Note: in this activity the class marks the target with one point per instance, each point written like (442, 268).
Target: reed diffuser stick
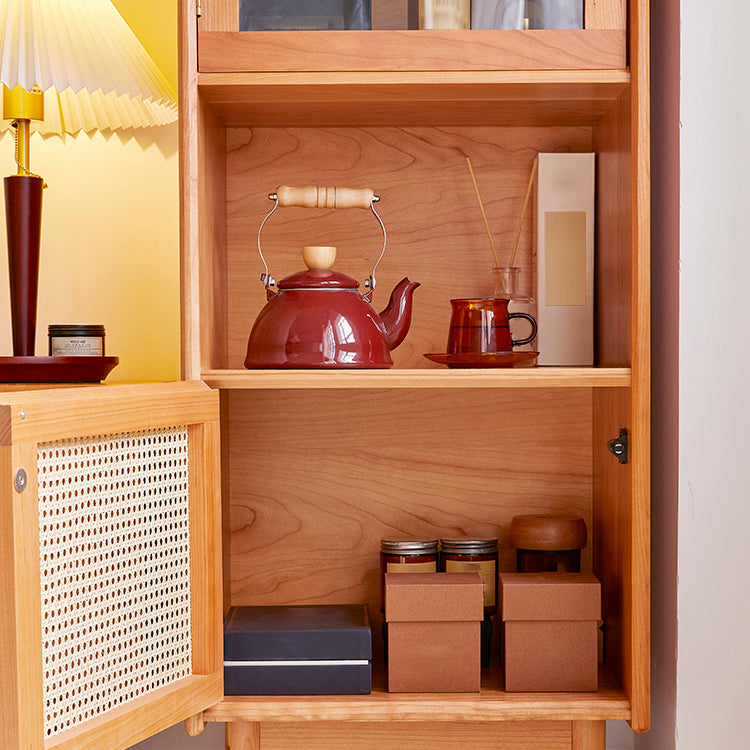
(523, 213)
(481, 208)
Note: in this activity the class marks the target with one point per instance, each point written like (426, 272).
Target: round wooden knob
(541, 531)
(319, 256)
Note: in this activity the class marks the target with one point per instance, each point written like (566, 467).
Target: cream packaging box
(564, 258)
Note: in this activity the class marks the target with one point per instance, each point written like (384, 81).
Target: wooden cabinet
(318, 466)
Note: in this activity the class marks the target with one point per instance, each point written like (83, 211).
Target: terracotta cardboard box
(550, 638)
(434, 624)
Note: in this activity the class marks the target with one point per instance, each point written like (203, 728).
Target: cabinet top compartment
(353, 78)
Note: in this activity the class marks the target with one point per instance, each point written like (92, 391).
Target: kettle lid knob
(319, 256)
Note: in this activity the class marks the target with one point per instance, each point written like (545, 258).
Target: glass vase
(506, 285)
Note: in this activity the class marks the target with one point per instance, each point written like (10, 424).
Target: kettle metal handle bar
(316, 196)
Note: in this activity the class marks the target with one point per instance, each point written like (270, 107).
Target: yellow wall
(110, 227)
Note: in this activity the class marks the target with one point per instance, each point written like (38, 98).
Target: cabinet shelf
(413, 98)
(541, 377)
(491, 704)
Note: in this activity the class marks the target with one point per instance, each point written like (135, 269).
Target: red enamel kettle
(318, 318)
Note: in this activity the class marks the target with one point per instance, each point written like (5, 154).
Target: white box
(564, 258)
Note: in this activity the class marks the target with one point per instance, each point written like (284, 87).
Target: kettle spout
(396, 317)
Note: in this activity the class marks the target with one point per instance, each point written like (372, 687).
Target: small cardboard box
(434, 621)
(550, 637)
(298, 650)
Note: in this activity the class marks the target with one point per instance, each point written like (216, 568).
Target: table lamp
(65, 66)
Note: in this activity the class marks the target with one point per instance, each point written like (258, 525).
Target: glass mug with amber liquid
(482, 326)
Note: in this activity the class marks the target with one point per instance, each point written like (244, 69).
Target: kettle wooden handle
(315, 196)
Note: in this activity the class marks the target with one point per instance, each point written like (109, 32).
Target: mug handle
(533, 328)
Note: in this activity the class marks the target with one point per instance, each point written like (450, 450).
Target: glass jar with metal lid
(473, 555)
(406, 556)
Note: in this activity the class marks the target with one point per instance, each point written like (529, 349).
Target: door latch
(618, 446)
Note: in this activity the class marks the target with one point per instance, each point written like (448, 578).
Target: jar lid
(469, 546)
(547, 532)
(75, 330)
(409, 546)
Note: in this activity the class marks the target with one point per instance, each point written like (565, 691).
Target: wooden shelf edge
(424, 79)
(537, 377)
(569, 49)
(368, 98)
(491, 704)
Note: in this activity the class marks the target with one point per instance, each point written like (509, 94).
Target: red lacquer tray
(56, 369)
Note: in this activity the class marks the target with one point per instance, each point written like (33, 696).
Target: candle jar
(505, 280)
(548, 543)
(406, 556)
(76, 340)
(468, 555)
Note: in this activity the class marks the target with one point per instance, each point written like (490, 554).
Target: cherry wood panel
(605, 14)
(436, 235)
(622, 492)
(490, 704)
(202, 214)
(142, 717)
(206, 557)
(20, 622)
(99, 410)
(216, 15)
(550, 97)
(527, 377)
(588, 735)
(614, 257)
(511, 735)
(245, 51)
(317, 479)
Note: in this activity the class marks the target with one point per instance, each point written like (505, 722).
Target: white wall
(713, 661)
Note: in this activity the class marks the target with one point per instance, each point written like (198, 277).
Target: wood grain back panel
(436, 235)
(317, 479)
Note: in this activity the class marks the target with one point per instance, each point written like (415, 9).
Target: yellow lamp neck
(22, 146)
(22, 106)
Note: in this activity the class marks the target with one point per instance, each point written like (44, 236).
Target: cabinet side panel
(435, 231)
(613, 265)
(621, 140)
(202, 216)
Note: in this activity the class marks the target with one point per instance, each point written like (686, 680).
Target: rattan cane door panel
(116, 535)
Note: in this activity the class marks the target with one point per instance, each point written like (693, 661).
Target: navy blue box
(298, 650)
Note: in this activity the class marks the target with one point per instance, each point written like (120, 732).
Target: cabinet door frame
(32, 417)
(223, 15)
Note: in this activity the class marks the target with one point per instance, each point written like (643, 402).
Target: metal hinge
(198, 9)
(618, 446)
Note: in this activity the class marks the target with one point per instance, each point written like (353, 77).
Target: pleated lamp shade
(94, 72)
